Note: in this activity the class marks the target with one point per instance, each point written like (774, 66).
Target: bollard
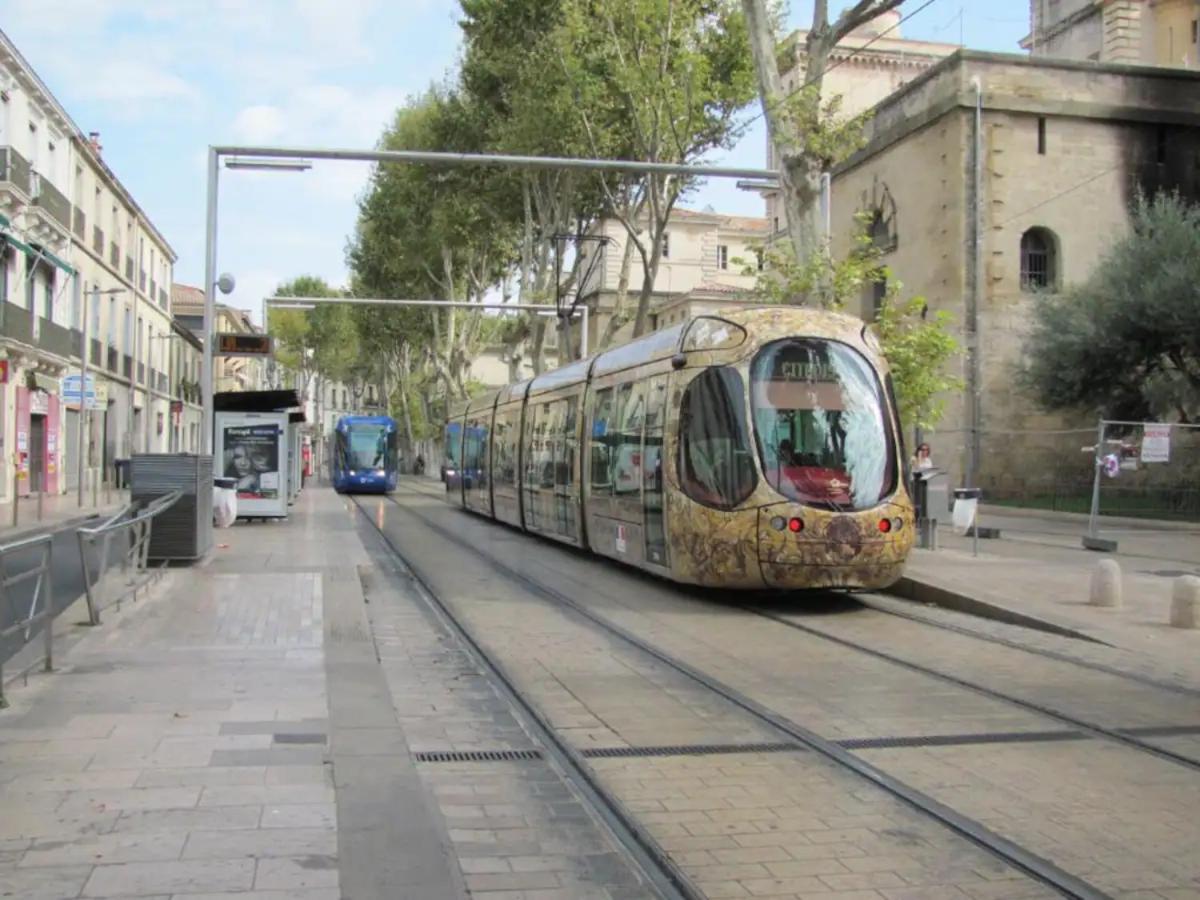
(1185, 602)
(1106, 585)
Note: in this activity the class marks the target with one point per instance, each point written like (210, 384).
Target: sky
(161, 80)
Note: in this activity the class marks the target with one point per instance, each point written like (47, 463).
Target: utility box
(185, 530)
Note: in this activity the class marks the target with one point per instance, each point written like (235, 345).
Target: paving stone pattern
(777, 825)
(148, 765)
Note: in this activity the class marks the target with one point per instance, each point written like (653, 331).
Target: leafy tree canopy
(1126, 342)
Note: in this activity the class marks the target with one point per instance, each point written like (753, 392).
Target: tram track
(1013, 854)
(966, 631)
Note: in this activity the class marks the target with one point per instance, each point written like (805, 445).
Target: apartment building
(1138, 32)
(84, 272)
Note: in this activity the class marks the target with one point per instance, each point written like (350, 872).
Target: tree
(807, 136)
(659, 81)
(917, 346)
(309, 341)
(1126, 342)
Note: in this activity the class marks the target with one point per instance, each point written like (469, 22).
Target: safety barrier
(40, 612)
(129, 530)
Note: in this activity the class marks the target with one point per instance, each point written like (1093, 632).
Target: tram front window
(368, 448)
(820, 421)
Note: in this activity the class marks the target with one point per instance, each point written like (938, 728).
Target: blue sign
(70, 390)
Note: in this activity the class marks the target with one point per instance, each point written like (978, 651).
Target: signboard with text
(97, 392)
(243, 344)
(1156, 443)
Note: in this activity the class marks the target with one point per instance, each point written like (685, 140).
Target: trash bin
(224, 502)
(966, 502)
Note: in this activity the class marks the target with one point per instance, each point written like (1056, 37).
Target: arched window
(1039, 262)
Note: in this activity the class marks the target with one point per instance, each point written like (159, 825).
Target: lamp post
(84, 417)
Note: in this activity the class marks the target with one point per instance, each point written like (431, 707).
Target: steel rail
(1020, 858)
(650, 859)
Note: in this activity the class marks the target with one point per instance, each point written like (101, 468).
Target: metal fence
(114, 555)
(36, 614)
(1056, 470)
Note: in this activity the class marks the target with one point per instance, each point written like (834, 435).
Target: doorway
(37, 453)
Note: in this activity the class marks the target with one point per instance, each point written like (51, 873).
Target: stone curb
(926, 592)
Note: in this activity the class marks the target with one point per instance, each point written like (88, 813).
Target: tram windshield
(821, 424)
(368, 447)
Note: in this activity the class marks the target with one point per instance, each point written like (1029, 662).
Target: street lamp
(84, 419)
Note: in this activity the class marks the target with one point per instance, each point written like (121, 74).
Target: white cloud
(259, 124)
(122, 81)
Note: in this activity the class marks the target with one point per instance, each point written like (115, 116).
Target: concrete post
(1106, 585)
(1185, 602)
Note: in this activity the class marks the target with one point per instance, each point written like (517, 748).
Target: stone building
(703, 252)
(1064, 147)
(81, 266)
(866, 66)
(230, 373)
(1145, 32)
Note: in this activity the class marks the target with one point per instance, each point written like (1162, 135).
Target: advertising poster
(1156, 443)
(251, 452)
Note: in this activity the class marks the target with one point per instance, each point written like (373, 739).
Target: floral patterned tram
(758, 448)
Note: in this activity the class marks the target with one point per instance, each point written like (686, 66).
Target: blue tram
(365, 455)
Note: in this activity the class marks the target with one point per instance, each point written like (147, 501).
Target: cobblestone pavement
(739, 825)
(1118, 817)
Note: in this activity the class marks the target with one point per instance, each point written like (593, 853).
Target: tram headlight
(897, 523)
(353, 472)
(779, 523)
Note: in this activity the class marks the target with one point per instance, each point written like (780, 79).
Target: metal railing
(129, 531)
(40, 611)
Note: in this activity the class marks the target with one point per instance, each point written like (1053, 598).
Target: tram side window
(715, 463)
(564, 462)
(627, 440)
(504, 462)
(602, 426)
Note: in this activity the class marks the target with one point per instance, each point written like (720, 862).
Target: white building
(68, 228)
(705, 254)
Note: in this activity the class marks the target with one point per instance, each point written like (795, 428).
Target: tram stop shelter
(252, 443)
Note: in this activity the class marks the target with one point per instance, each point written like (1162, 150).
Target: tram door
(652, 471)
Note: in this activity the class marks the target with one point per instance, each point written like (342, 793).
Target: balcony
(16, 324)
(98, 240)
(50, 222)
(56, 339)
(129, 268)
(127, 366)
(15, 180)
(114, 256)
(113, 360)
(95, 355)
(80, 224)
(141, 373)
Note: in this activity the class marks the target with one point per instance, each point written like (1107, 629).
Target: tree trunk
(617, 320)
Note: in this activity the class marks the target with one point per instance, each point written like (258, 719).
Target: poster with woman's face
(252, 459)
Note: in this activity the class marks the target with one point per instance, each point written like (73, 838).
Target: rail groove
(1019, 857)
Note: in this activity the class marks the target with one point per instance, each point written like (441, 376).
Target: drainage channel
(1019, 857)
(654, 864)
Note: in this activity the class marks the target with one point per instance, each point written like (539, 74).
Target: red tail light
(796, 525)
(885, 525)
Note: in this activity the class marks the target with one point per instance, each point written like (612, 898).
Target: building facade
(84, 271)
(703, 252)
(994, 180)
(232, 373)
(867, 66)
(1138, 32)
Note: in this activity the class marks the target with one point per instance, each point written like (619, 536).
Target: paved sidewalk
(58, 511)
(1038, 568)
(229, 737)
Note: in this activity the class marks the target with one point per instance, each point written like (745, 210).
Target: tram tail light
(795, 525)
(885, 525)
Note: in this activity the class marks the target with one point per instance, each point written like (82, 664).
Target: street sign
(1156, 443)
(97, 394)
(229, 344)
